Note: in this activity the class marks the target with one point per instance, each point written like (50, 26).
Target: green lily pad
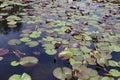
(107, 78)
(14, 63)
(28, 61)
(48, 46)
(48, 38)
(65, 54)
(24, 76)
(25, 39)
(35, 34)
(12, 17)
(114, 72)
(62, 73)
(32, 43)
(113, 63)
(14, 42)
(12, 22)
(50, 51)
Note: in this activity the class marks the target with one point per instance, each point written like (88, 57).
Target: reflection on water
(5, 29)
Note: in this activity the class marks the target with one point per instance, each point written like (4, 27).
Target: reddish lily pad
(3, 51)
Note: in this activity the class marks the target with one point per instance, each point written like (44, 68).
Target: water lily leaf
(24, 76)
(62, 73)
(1, 58)
(32, 43)
(30, 22)
(85, 49)
(50, 51)
(14, 42)
(114, 72)
(107, 78)
(15, 77)
(65, 54)
(14, 63)
(48, 46)
(3, 5)
(28, 61)
(25, 39)
(26, 31)
(3, 51)
(24, 35)
(95, 78)
(115, 48)
(48, 38)
(65, 42)
(113, 63)
(35, 34)
(12, 22)
(13, 17)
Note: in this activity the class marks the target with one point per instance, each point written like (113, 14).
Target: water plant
(76, 32)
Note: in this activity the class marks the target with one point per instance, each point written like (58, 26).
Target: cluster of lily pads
(83, 33)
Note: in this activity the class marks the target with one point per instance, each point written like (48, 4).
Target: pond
(51, 40)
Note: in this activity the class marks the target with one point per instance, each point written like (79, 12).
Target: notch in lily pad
(27, 61)
(65, 54)
(24, 76)
(63, 73)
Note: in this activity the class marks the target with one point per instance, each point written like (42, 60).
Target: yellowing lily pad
(14, 42)
(65, 54)
(28, 61)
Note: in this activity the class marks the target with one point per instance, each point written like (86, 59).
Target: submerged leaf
(3, 51)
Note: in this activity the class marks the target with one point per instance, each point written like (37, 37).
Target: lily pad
(63, 73)
(14, 42)
(65, 54)
(28, 61)
(24, 76)
(14, 63)
(3, 51)
(25, 39)
(35, 34)
(114, 72)
(32, 43)
(50, 51)
(12, 22)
